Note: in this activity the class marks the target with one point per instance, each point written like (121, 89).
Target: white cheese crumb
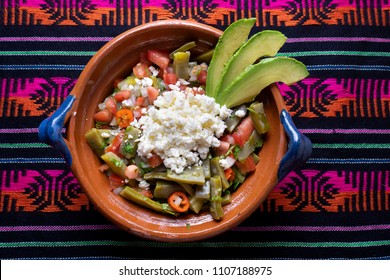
(181, 128)
(143, 184)
(105, 135)
(240, 113)
(226, 163)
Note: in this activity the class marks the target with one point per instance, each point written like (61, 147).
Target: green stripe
(199, 244)
(325, 53)
(352, 146)
(36, 53)
(23, 145)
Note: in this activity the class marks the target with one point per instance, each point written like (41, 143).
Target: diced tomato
(243, 131)
(115, 181)
(115, 145)
(202, 77)
(222, 149)
(122, 95)
(228, 138)
(155, 160)
(247, 166)
(103, 116)
(152, 94)
(160, 58)
(229, 174)
(169, 78)
(143, 58)
(141, 70)
(110, 104)
(124, 117)
(139, 101)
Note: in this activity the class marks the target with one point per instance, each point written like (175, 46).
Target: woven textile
(335, 206)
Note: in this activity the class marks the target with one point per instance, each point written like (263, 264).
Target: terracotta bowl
(284, 148)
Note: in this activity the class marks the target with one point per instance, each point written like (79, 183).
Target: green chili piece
(216, 209)
(217, 170)
(180, 65)
(142, 200)
(96, 141)
(183, 48)
(258, 116)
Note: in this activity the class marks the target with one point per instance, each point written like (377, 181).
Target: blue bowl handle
(299, 146)
(50, 129)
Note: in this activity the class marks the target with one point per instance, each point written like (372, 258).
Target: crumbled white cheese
(105, 135)
(181, 128)
(143, 184)
(240, 113)
(226, 163)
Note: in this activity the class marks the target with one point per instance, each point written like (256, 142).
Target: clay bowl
(284, 148)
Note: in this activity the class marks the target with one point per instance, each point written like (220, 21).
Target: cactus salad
(168, 142)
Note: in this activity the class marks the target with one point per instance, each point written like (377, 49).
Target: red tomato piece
(143, 58)
(243, 131)
(152, 94)
(103, 116)
(122, 95)
(169, 78)
(115, 145)
(110, 104)
(247, 166)
(160, 58)
(202, 77)
(222, 149)
(115, 181)
(229, 174)
(155, 160)
(141, 70)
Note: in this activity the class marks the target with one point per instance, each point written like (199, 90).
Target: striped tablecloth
(337, 206)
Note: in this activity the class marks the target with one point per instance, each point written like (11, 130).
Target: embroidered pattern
(215, 12)
(43, 191)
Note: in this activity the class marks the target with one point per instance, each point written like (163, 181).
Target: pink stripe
(337, 39)
(314, 228)
(38, 4)
(238, 229)
(344, 131)
(106, 39)
(55, 39)
(19, 130)
(57, 228)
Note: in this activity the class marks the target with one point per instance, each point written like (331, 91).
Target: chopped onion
(118, 190)
(178, 200)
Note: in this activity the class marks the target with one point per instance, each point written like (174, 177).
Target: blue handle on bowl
(50, 129)
(299, 146)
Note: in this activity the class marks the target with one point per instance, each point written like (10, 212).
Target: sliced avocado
(231, 39)
(263, 44)
(245, 87)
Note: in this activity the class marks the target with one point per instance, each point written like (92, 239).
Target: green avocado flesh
(245, 87)
(263, 44)
(232, 38)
